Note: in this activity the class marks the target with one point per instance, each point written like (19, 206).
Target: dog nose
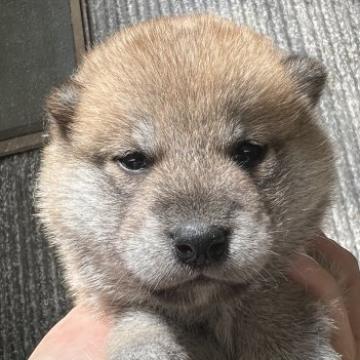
(199, 245)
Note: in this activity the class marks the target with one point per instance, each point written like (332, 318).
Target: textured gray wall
(32, 297)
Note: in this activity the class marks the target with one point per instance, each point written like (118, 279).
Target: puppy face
(184, 163)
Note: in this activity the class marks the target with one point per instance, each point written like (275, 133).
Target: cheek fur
(147, 252)
(250, 247)
(73, 201)
(251, 239)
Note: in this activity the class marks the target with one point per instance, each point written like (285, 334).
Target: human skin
(345, 311)
(83, 335)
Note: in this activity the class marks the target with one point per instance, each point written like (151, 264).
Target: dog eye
(247, 154)
(133, 161)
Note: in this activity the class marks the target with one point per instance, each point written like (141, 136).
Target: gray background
(32, 297)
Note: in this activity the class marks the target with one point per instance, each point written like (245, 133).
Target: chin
(200, 291)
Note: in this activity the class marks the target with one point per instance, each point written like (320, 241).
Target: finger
(343, 258)
(349, 266)
(79, 335)
(307, 272)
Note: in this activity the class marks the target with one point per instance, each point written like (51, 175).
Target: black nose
(199, 245)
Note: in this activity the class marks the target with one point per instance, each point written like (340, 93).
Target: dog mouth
(201, 283)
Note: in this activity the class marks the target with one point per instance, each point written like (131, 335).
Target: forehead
(201, 78)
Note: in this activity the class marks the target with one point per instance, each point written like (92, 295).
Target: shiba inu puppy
(185, 165)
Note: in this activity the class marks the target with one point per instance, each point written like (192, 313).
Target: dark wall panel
(37, 52)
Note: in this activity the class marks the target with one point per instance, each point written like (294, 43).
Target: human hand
(80, 335)
(344, 308)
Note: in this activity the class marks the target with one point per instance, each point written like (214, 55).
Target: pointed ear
(60, 108)
(309, 75)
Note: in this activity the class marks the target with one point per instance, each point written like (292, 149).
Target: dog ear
(309, 75)
(60, 108)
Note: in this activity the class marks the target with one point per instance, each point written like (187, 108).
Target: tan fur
(184, 89)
